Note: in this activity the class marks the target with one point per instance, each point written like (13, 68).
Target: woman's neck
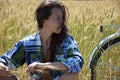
(45, 37)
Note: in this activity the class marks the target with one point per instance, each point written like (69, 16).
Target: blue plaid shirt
(30, 50)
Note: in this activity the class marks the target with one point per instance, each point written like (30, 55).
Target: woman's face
(53, 23)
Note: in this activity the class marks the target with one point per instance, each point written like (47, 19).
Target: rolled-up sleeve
(72, 56)
(14, 57)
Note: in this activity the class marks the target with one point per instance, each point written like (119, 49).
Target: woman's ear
(44, 21)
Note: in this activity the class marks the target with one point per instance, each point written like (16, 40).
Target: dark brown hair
(42, 13)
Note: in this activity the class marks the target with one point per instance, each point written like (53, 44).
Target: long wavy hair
(42, 13)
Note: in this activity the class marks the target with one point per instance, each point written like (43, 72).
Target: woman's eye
(57, 18)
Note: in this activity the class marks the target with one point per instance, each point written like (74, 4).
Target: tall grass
(85, 17)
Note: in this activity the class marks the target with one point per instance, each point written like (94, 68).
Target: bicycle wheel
(105, 59)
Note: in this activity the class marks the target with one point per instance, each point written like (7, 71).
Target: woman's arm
(72, 57)
(14, 57)
(40, 67)
(53, 66)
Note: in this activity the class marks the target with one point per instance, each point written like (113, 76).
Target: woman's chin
(58, 32)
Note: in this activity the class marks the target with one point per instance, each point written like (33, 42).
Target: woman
(50, 53)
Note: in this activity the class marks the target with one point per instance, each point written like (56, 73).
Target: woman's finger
(4, 70)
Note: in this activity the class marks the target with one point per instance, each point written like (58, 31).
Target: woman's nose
(60, 21)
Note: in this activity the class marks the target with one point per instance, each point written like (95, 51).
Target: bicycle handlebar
(112, 26)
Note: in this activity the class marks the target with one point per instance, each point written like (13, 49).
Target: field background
(85, 17)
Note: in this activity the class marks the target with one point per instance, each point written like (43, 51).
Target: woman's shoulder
(30, 40)
(31, 37)
(68, 42)
(69, 38)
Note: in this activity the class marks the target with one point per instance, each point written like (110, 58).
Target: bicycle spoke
(108, 67)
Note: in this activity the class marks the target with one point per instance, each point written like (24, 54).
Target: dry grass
(85, 17)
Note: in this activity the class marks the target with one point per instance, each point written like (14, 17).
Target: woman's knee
(9, 77)
(69, 76)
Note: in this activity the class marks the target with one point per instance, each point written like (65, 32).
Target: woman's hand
(36, 67)
(31, 67)
(40, 67)
(4, 70)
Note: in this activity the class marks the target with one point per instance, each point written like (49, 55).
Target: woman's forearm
(56, 66)
(53, 66)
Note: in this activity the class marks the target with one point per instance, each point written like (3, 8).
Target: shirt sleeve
(72, 56)
(15, 57)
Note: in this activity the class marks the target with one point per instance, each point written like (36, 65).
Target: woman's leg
(69, 76)
(9, 77)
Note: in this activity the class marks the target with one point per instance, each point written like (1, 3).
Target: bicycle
(104, 61)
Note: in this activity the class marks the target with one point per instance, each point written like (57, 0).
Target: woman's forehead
(57, 11)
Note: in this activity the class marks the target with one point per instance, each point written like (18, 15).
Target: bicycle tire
(99, 50)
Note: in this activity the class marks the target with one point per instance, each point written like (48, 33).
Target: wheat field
(85, 17)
